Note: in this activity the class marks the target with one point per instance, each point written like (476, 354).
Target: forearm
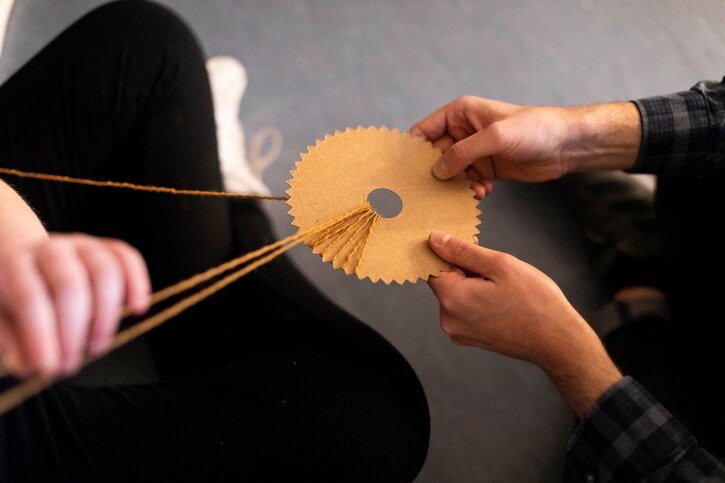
(614, 409)
(579, 366)
(680, 133)
(18, 223)
(602, 136)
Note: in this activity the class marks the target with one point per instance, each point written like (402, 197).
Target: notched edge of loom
(476, 212)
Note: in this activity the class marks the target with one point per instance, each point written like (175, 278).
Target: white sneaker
(6, 8)
(228, 80)
(649, 181)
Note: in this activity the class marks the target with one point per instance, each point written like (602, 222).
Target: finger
(138, 283)
(461, 340)
(433, 126)
(488, 186)
(447, 288)
(472, 174)
(415, 131)
(107, 282)
(445, 280)
(444, 143)
(479, 189)
(486, 169)
(69, 289)
(467, 151)
(9, 352)
(29, 307)
(477, 259)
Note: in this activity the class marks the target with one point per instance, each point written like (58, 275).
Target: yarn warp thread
(360, 220)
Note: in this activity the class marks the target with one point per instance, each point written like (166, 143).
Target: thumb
(467, 151)
(466, 255)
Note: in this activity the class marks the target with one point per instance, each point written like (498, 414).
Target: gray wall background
(317, 66)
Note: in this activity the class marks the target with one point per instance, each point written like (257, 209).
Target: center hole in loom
(385, 202)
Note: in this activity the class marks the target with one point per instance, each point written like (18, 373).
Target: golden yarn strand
(353, 240)
(132, 186)
(318, 240)
(28, 388)
(195, 280)
(361, 246)
(336, 241)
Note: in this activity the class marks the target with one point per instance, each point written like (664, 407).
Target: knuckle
(506, 260)
(47, 366)
(105, 269)
(500, 259)
(67, 283)
(446, 325)
(444, 300)
(460, 249)
(101, 332)
(119, 245)
(134, 252)
(13, 270)
(458, 151)
(136, 258)
(102, 264)
(24, 298)
(455, 305)
(47, 253)
(447, 300)
(468, 100)
(127, 253)
(72, 236)
(65, 296)
(496, 132)
(457, 340)
(44, 359)
(500, 137)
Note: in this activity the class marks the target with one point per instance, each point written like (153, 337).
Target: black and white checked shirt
(628, 435)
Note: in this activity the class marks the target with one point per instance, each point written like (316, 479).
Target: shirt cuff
(626, 436)
(676, 133)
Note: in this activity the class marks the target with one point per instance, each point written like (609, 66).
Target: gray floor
(318, 66)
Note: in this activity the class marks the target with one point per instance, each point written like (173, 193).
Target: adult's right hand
(492, 140)
(62, 297)
(499, 303)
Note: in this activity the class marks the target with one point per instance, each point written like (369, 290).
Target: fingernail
(440, 170)
(70, 365)
(142, 305)
(97, 346)
(439, 238)
(472, 175)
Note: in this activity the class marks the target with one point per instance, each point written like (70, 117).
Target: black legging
(302, 392)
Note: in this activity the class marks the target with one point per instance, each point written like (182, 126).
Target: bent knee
(140, 22)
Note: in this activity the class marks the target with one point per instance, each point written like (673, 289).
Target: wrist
(602, 136)
(19, 226)
(580, 367)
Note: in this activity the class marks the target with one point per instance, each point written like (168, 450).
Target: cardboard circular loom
(337, 174)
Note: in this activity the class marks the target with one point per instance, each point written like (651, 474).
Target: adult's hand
(499, 303)
(493, 140)
(63, 297)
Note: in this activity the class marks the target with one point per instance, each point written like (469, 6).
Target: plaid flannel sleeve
(629, 436)
(683, 132)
